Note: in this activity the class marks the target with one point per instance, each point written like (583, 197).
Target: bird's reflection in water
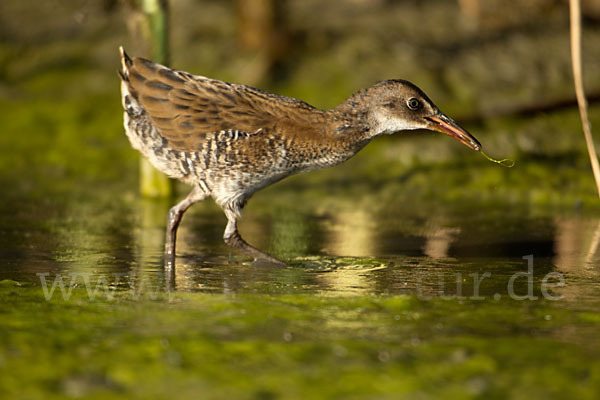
(347, 246)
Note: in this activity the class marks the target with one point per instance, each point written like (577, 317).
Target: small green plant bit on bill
(505, 162)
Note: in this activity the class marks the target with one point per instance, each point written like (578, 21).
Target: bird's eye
(413, 103)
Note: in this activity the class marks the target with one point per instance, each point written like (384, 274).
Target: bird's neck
(351, 118)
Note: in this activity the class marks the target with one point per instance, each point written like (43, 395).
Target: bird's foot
(236, 241)
(270, 261)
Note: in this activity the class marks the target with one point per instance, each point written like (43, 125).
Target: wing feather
(185, 108)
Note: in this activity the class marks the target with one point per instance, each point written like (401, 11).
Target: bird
(230, 140)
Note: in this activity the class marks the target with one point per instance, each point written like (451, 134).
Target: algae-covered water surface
(390, 292)
(417, 269)
(438, 279)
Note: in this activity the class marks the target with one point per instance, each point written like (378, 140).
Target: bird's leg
(174, 218)
(232, 238)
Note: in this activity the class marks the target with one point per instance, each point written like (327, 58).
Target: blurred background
(384, 249)
(502, 69)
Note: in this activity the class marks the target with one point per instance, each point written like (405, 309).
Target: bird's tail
(128, 94)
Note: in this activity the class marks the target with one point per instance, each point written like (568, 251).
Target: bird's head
(398, 105)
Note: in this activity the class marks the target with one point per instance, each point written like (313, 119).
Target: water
(385, 293)
(340, 249)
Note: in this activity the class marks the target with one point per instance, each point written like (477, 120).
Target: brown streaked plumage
(229, 140)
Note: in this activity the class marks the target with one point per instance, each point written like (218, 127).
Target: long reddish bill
(445, 124)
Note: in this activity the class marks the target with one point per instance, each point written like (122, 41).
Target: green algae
(505, 162)
(292, 346)
(375, 318)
